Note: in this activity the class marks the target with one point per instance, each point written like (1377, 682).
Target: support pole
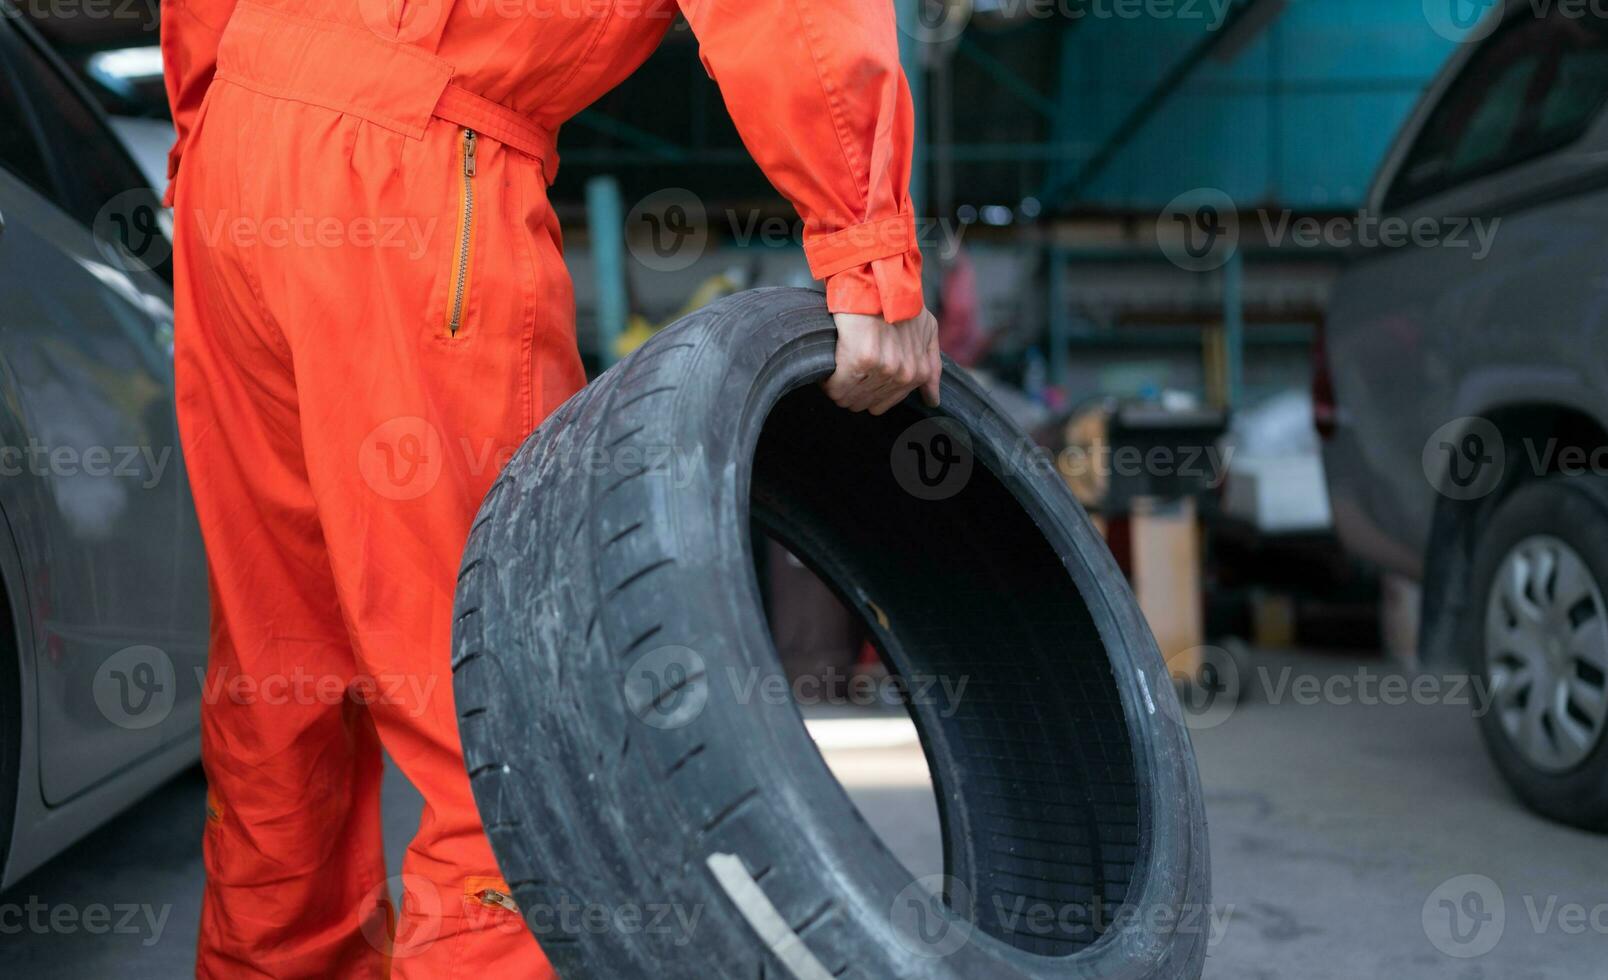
(605, 223)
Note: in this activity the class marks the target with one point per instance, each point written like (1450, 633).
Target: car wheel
(1541, 646)
(611, 664)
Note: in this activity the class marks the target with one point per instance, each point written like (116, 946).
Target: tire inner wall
(1032, 761)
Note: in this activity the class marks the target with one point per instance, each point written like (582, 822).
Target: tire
(609, 637)
(1562, 516)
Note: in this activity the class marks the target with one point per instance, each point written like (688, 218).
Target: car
(1462, 389)
(104, 610)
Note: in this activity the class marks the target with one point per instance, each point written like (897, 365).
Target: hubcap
(1546, 644)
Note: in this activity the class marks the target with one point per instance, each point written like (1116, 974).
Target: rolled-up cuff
(873, 267)
(888, 287)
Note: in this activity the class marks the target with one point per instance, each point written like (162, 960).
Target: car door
(91, 481)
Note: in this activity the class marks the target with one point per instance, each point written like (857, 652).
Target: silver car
(1464, 392)
(105, 595)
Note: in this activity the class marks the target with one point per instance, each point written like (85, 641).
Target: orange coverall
(372, 314)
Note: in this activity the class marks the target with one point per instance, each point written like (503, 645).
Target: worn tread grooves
(814, 917)
(729, 810)
(642, 638)
(681, 763)
(628, 434)
(483, 769)
(657, 352)
(633, 475)
(646, 394)
(472, 713)
(638, 576)
(611, 542)
(463, 659)
(673, 688)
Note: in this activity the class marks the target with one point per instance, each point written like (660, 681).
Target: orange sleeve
(819, 98)
(190, 32)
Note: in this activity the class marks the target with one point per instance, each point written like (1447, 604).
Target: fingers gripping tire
(657, 814)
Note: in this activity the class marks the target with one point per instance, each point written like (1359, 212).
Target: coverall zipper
(466, 227)
(496, 899)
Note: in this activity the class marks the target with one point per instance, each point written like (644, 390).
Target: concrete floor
(1335, 826)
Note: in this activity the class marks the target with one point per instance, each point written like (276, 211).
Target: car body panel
(1419, 337)
(100, 551)
(97, 492)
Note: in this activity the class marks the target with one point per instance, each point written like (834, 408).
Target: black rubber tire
(1575, 510)
(608, 625)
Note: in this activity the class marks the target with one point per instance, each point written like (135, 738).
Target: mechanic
(344, 405)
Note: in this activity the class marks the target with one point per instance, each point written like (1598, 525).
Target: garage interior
(1259, 280)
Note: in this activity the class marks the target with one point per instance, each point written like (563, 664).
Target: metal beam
(1157, 97)
(1008, 79)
